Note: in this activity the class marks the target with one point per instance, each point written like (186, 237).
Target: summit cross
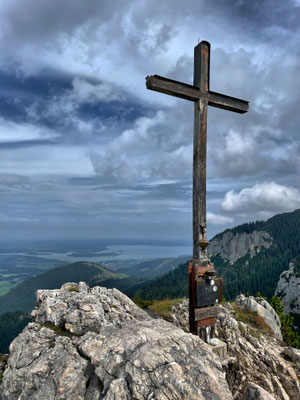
(202, 96)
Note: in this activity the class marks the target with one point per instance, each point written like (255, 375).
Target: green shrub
(290, 337)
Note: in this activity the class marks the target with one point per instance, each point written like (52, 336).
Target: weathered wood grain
(173, 88)
(206, 312)
(227, 102)
(194, 93)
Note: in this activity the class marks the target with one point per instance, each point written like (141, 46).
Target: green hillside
(22, 296)
(247, 275)
(153, 268)
(11, 324)
(172, 285)
(261, 272)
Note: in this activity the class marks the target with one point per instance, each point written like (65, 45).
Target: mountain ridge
(257, 270)
(22, 296)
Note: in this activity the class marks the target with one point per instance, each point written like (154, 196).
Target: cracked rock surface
(97, 344)
(259, 365)
(288, 289)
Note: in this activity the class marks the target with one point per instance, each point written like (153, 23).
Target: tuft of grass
(72, 289)
(255, 333)
(59, 331)
(163, 307)
(141, 302)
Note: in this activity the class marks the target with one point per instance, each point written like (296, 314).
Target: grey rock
(82, 310)
(255, 392)
(43, 365)
(97, 344)
(158, 360)
(234, 246)
(263, 309)
(180, 314)
(293, 354)
(258, 359)
(253, 358)
(288, 289)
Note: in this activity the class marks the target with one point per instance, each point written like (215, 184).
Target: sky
(86, 151)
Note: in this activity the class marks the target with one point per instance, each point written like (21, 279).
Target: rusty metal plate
(208, 291)
(206, 322)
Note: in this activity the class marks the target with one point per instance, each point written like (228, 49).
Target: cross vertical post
(205, 290)
(201, 80)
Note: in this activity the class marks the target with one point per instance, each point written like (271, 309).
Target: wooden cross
(202, 97)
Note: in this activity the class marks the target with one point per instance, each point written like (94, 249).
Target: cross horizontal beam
(193, 93)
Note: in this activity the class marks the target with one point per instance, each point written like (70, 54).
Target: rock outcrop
(263, 309)
(97, 344)
(288, 289)
(232, 246)
(258, 365)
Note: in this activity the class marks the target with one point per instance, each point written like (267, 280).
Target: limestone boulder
(263, 309)
(97, 344)
(80, 309)
(253, 356)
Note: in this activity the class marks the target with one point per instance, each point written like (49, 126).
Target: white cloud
(87, 92)
(217, 219)
(144, 152)
(262, 197)
(66, 103)
(46, 160)
(237, 153)
(11, 132)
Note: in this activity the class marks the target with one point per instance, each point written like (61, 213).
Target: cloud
(217, 219)
(145, 152)
(11, 132)
(262, 197)
(237, 154)
(65, 106)
(76, 106)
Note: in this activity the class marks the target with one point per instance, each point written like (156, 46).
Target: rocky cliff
(288, 289)
(256, 363)
(232, 246)
(97, 344)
